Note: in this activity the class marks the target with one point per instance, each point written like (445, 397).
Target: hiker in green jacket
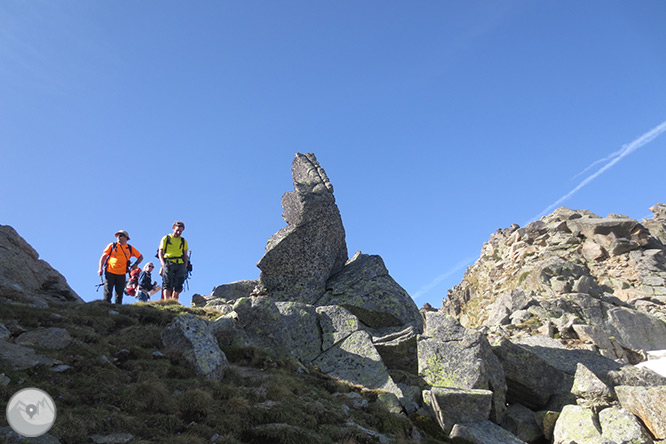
(173, 257)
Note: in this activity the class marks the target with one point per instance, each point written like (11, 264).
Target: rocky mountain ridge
(589, 281)
(535, 345)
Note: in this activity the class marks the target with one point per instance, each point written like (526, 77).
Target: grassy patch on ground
(115, 382)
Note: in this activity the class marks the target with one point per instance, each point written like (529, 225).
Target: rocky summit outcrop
(568, 303)
(25, 278)
(350, 318)
(303, 255)
(595, 281)
(550, 317)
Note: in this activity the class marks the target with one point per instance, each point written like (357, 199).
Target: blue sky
(438, 122)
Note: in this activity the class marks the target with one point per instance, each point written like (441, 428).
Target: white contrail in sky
(460, 265)
(612, 160)
(597, 162)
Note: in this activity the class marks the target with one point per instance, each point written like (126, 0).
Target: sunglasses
(121, 235)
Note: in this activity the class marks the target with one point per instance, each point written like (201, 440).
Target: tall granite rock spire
(302, 256)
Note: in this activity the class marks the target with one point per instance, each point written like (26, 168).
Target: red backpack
(133, 282)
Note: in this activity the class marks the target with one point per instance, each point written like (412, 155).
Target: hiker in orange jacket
(115, 264)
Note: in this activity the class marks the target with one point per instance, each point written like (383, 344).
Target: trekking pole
(99, 285)
(188, 272)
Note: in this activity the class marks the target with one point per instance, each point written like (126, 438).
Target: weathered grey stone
(621, 427)
(594, 335)
(53, 338)
(411, 400)
(234, 290)
(648, 403)
(635, 329)
(546, 420)
(520, 316)
(588, 227)
(20, 358)
(302, 326)
(301, 257)
(522, 422)
(365, 288)
(582, 285)
(657, 224)
(577, 425)
(336, 323)
(592, 251)
(356, 360)
(589, 389)
(226, 332)
(531, 381)
(262, 324)
(191, 336)
(200, 300)
(389, 402)
(452, 406)
(398, 349)
(566, 361)
(27, 279)
(483, 432)
(453, 356)
(4, 332)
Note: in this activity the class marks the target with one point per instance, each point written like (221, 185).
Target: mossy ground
(116, 384)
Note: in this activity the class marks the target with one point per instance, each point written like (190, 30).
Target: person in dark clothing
(147, 287)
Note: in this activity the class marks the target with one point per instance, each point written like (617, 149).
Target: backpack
(182, 256)
(113, 247)
(133, 282)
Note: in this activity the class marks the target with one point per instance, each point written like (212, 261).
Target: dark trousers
(112, 281)
(173, 277)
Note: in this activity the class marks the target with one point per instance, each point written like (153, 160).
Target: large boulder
(24, 277)
(302, 326)
(262, 326)
(337, 324)
(483, 432)
(19, 357)
(233, 290)
(355, 359)
(620, 426)
(53, 338)
(531, 380)
(451, 406)
(578, 424)
(399, 349)
(301, 257)
(365, 288)
(449, 355)
(635, 329)
(648, 403)
(191, 336)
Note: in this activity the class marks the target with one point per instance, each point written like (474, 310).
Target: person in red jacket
(115, 264)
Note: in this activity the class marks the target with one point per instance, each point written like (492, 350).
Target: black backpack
(113, 247)
(182, 250)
